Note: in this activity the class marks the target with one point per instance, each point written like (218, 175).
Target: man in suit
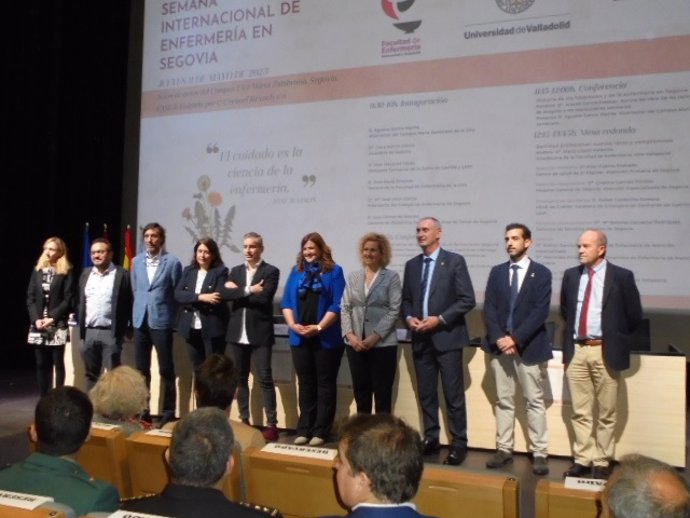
(105, 311)
(199, 458)
(645, 487)
(154, 275)
(251, 287)
(516, 306)
(601, 307)
(379, 466)
(61, 426)
(437, 294)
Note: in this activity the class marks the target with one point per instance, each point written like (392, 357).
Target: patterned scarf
(311, 279)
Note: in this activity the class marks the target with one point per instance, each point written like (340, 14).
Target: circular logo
(514, 6)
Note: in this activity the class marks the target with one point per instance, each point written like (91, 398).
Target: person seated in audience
(379, 466)
(215, 383)
(119, 397)
(61, 426)
(642, 487)
(199, 458)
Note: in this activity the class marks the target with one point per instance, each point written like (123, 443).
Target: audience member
(105, 311)
(61, 426)
(642, 487)
(379, 466)
(199, 458)
(119, 397)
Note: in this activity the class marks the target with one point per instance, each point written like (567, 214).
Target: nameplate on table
(23, 500)
(105, 426)
(133, 514)
(586, 484)
(157, 432)
(311, 452)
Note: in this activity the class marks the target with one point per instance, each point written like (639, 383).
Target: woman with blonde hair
(49, 301)
(119, 397)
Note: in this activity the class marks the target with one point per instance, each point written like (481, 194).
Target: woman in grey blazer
(369, 313)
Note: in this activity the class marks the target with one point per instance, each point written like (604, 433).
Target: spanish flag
(129, 249)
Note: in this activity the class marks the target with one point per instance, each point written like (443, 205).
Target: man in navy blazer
(154, 275)
(601, 307)
(516, 306)
(251, 287)
(434, 310)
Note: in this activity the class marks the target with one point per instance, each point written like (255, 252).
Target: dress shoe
(539, 465)
(167, 417)
(301, 440)
(456, 457)
(498, 459)
(577, 470)
(431, 446)
(316, 441)
(270, 433)
(601, 472)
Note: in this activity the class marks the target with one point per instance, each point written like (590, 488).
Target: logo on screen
(398, 11)
(514, 6)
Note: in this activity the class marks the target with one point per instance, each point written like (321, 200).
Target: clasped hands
(43, 323)
(253, 289)
(423, 326)
(363, 344)
(507, 345)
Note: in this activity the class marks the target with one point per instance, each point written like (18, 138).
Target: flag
(86, 257)
(129, 249)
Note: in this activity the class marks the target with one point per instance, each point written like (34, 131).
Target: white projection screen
(342, 117)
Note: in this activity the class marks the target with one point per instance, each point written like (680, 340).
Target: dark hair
(215, 382)
(212, 246)
(200, 447)
(62, 420)
(388, 451)
(326, 261)
(155, 226)
(526, 232)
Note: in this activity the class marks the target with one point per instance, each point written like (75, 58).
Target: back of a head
(120, 393)
(200, 447)
(62, 420)
(643, 487)
(215, 382)
(388, 451)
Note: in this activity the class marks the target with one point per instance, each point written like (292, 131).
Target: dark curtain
(65, 76)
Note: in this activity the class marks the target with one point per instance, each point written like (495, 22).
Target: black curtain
(66, 65)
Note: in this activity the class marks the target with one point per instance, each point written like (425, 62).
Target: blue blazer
(154, 303)
(451, 296)
(620, 315)
(531, 311)
(331, 294)
(214, 317)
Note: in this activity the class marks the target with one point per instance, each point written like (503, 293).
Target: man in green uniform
(61, 426)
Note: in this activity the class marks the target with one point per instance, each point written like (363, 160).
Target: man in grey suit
(516, 306)
(437, 294)
(105, 311)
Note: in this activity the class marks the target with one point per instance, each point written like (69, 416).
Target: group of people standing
(327, 315)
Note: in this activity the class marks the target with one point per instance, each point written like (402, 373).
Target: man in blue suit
(155, 273)
(516, 306)
(437, 294)
(601, 307)
(379, 466)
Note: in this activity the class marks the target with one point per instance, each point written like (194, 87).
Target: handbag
(51, 335)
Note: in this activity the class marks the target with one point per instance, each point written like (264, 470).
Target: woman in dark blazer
(369, 312)
(311, 307)
(203, 318)
(49, 300)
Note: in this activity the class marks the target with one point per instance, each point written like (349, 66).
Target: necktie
(425, 277)
(582, 327)
(513, 294)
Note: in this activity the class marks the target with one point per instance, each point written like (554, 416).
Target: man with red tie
(601, 307)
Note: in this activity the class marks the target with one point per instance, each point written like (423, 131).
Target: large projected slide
(285, 117)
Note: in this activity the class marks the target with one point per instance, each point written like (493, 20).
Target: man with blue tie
(601, 307)
(516, 306)
(155, 273)
(437, 294)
